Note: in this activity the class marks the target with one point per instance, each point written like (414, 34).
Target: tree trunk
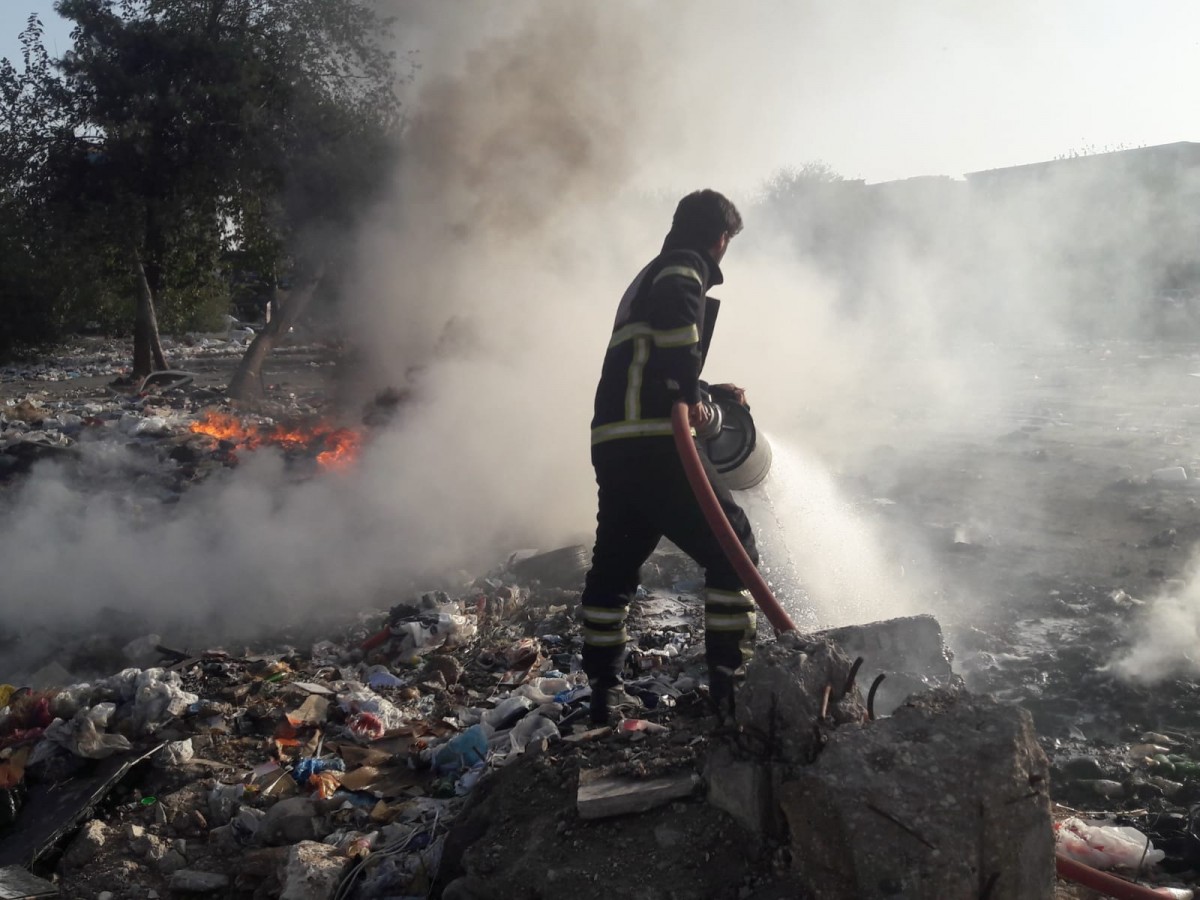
(246, 383)
(148, 354)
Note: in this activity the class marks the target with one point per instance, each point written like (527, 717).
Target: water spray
(719, 523)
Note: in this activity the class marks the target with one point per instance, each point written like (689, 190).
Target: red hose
(1109, 885)
(719, 523)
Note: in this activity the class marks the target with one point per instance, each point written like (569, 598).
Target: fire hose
(1109, 885)
(719, 522)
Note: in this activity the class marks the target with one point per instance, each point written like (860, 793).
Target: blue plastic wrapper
(461, 752)
(307, 768)
(576, 693)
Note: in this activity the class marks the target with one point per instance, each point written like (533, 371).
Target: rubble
(945, 798)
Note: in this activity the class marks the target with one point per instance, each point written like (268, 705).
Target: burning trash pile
(333, 448)
(189, 433)
(180, 416)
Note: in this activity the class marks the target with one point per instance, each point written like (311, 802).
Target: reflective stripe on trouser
(604, 637)
(729, 627)
(604, 626)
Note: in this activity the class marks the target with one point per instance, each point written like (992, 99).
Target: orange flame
(336, 448)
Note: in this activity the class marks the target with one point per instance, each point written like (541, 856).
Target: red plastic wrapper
(366, 726)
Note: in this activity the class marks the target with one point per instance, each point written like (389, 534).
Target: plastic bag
(543, 690)
(461, 752)
(531, 729)
(361, 700)
(174, 753)
(1103, 846)
(81, 737)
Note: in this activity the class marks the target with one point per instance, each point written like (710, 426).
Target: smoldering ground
(545, 148)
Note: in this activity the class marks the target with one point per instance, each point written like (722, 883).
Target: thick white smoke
(546, 146)
(1166, 638)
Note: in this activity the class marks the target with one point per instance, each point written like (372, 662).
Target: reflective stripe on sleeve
(683, 336)
(633, 384)
(627, 429)
(682, 271)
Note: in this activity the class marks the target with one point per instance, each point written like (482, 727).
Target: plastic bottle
(532, 729)
(508, 713)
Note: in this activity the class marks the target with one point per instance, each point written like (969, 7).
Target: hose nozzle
(713, 428)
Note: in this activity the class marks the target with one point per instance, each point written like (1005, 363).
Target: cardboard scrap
(312, 687)
(52, 811)
(600, 797)
(17, 884)
(313, 711)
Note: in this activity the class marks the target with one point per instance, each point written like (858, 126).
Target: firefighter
(658, 344)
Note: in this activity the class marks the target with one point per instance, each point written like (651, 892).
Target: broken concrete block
(600, 797)
(911, 651)
(948, 798)
(311, 872)
(784, 691)
(740, 787)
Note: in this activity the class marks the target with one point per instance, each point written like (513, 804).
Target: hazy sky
(884, 90)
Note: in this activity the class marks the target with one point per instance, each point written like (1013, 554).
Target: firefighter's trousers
(643, 499)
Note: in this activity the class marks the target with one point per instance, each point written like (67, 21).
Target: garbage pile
(337, 767)
(184, 427)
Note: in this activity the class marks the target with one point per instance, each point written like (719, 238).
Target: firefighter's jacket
(659, 341)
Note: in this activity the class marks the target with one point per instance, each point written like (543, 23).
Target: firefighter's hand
(738, 394)
(699, 415)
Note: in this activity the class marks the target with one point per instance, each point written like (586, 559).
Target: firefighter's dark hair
(703, 216)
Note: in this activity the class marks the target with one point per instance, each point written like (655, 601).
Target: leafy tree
(195, 133)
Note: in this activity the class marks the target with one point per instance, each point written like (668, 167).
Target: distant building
(1163, 163)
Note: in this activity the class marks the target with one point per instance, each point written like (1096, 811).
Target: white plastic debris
(531, 729)
(543, 690)
(362, 700)
(174, 753)
(155, 426)
(158, 696)
(1104, 846)
(80, 737)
